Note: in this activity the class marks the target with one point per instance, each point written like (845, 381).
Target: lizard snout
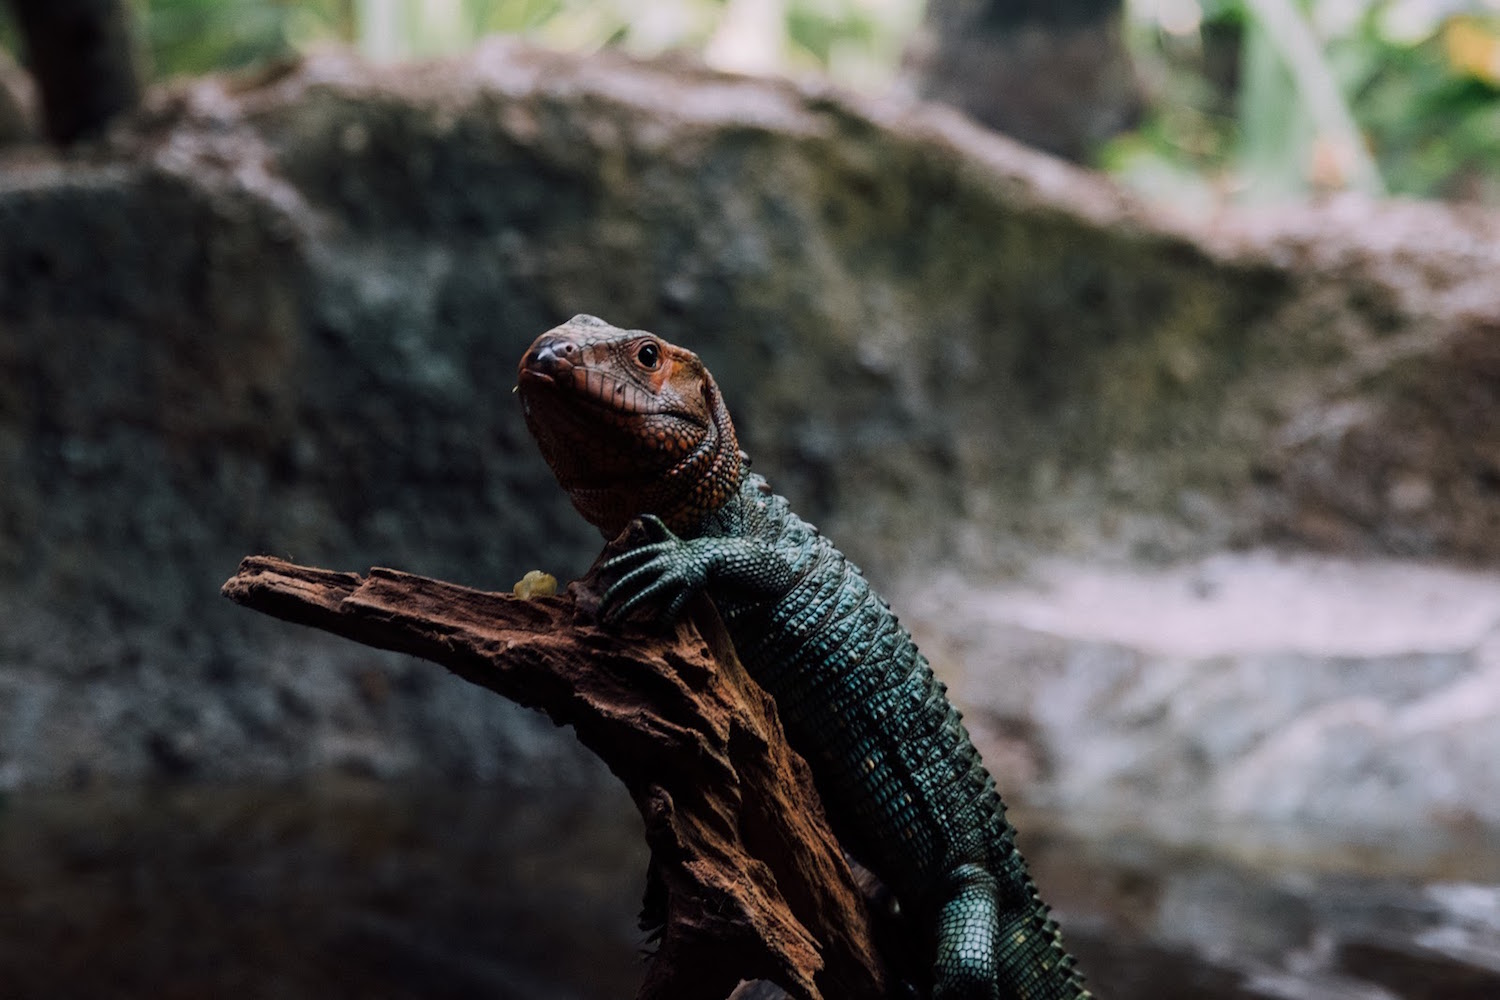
(548, 357)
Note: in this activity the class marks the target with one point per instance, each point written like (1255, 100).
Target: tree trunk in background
(17, 102)
(80, 53)
(1053, 75)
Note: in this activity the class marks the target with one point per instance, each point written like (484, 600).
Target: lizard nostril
(550, 356)
(555, 355)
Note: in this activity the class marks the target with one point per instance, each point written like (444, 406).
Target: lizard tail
(1033, 963)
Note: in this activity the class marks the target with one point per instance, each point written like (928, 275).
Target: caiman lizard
(635, 427)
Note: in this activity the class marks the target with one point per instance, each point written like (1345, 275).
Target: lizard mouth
(530, 376)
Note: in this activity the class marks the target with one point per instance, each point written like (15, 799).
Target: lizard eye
(649, 355)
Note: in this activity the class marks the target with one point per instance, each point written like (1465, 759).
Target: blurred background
(1146, 354)
(1201, 100)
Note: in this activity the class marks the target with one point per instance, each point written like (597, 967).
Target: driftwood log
(755, 885)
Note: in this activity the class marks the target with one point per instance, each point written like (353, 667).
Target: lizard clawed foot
(666, 571)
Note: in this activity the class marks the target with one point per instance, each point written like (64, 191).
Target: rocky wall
(282, 314)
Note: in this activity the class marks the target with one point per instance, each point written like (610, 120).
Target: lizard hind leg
(968, 931)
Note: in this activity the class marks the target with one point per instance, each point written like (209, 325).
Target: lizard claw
(635, 558)
(657, 529)
(667, 571)
(659, 538)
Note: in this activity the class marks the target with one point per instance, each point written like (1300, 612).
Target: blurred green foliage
(857, 40)
(194, 36)
(9, 40)
(1237, 112)
(1432, 109)
(1421, 81)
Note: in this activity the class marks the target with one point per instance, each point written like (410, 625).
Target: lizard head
(630, 425)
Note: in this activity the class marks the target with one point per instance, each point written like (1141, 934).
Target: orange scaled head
(630, 425)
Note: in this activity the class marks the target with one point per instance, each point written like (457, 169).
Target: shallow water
(353, 889)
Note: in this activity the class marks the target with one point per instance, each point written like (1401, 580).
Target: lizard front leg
(668, 570)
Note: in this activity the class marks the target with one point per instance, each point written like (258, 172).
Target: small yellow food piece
(535, 584)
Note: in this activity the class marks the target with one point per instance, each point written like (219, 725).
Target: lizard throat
(683, 496)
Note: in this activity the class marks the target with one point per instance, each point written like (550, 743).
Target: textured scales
(623, 437)
(635, 427)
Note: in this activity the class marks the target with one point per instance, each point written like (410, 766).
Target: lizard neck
(685, 496)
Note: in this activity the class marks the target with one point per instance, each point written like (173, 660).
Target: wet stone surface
(368, 890)
(1358, 699)
(354, 890)
(1155, 921)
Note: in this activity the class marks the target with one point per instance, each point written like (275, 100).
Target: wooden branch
(756, 886)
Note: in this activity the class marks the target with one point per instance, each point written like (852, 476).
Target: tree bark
(756, 887)
(82, 58)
